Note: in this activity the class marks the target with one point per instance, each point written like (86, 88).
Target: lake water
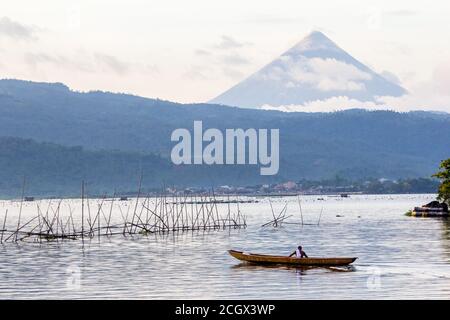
(399, 257)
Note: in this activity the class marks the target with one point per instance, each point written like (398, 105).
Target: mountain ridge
(353, 143)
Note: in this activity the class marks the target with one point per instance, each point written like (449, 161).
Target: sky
(191, 51)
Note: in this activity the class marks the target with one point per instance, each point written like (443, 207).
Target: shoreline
(232, 197)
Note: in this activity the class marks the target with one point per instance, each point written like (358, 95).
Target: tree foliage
(444, 175)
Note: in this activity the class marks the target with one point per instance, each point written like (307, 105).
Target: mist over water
(399, 257)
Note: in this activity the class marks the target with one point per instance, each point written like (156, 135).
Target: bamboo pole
(4, 225)
(82, 209)
(300, 207)
(320, 216)
(21, 204)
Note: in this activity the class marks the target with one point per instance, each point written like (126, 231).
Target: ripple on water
(399, 257)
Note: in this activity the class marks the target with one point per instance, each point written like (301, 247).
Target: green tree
(444, 175)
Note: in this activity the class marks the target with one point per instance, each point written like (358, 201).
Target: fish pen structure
(55, 220)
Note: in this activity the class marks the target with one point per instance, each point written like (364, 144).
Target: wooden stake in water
(137, 202)
(21, 205)
(273, 213)
(82, 209)
(110, 213)
(320, 216)
(4, 225)
(300, 207)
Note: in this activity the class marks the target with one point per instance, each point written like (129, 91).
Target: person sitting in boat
(299, 253)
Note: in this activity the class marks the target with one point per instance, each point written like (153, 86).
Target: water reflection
(446, 237)
(298, 269)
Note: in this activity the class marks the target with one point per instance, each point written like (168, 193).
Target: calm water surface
(399, 257)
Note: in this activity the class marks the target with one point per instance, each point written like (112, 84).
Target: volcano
(314, 69)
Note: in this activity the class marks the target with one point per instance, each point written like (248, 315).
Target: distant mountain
(55, 170)
(352, 144)
(314, 69)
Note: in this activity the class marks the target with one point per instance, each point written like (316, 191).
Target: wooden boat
(268, 259)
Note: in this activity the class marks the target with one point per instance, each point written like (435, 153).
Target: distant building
(287, 186)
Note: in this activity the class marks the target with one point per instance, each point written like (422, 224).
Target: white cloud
(327, 105)
(43, 60)
(234, 59)
(423, 100)
(433, 95)
(202, 52)
(112, 63)
(88, 63)
(322, 74)
(228, 42)
(16, 30)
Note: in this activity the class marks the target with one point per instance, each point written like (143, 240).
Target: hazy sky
(191, 51)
